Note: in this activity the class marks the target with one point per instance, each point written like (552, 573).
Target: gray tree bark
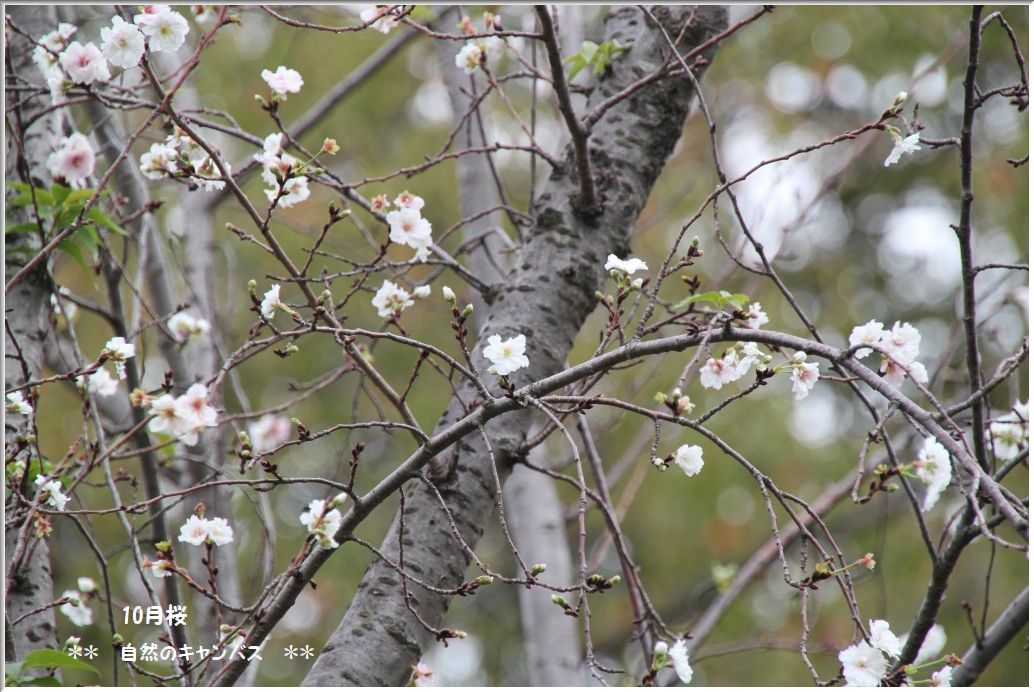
(997, 636)
(547, 297)
(27, 314)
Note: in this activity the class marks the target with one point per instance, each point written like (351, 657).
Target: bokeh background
(856, 241)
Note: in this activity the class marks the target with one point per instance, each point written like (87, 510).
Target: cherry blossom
(322, 523)
(469, 57)
(896, 375)
(869, 334)
(942, 677)
(53, 492)
(122, 43)
(119, 351)
(84, 64)
(271, 303)
(185, 326)
(198, 531)
(159, 161)
(908, 145)
(883, 639)
(75, 610)
(390, 300)
(627, 267)
(73, 161)
(102, 383)
(506, 356)
(16, 403)
(756, 317)
(803, 376)
(690, 459)
(407, 227)
(45, 55)
(269, 432)
(165, 29)
(284, 81)
(901, 342)
(864, 665)
(407, 200)
(680, 661)
(382, 16)
(933, 468)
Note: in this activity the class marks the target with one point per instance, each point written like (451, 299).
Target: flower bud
(422, 291)
(538, 568)
(467, 311)
(637, 284)
(448, 294)
(484, 580)
(660, 649)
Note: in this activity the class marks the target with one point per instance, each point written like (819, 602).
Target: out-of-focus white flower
(284, 81)
(469, 57)
(269, 432)
(185, 326)
(864, 665)
(907, 145)
(422, 291)
(122, 43)
(383, 17)
(506, 356)
(78, 612)
(869, 333)
(883, 639)
(84, 64)
(390, 300)
(895, 375)
(1009, 432)
(73, 160)
(942, 677)
(933, 642)
(16, 403)
(690, 459)
(933, 468)
(627, 267)
(423, 676)
(209, 178)
(86, 585)
(680, 660)
(102, 383)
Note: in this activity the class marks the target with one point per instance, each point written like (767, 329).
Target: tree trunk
(547, 297)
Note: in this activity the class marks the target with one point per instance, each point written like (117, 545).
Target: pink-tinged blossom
(896, 375)
(901, 342)
(73, 161)
(407, 200)
(84, 64)
(165, 29)
(407, 227)
(269, 432)
(803, 376)
(284, 81)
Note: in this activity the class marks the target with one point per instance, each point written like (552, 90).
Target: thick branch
(998, 635)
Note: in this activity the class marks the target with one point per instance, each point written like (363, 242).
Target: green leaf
(718, 298)
(588, 51)
(49, 658)
(27, 227)
(95, 214)
(71, 248)
(48, 681)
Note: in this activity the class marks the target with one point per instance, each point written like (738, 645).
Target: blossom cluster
(280, 172)
(183, 417)
(406, 226)
(323, 521)
(198, 531)
(391, 299)
(76, 609)
(899, 346)
(268, 432)
(179, 156)
(1009, 433)
(866, 663)
(100, 382)
(183, 326)
(52, 492)
(933, 469)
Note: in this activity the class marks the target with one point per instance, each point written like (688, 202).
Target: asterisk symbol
(91, 652)
(291, 651)
(307, 652)
(75, 651)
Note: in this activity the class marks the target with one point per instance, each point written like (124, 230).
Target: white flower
(895, 375)
(869, 333)
(901, 342)
(55, 497)
(284, 81)
(165, 30)
(210, 179)
(942, 677)
(102, 383)
(322, 524)
(271, 302)
(423, 676)
(660, 649)
(680, 660)
(628, 267)
(407, 200)
(183, 326)
(16, 403)
(84, 64)
(119, 349)
(729, 368)
(422, 291)
(295, 190)
(385, 19)
(122, 43)
(908, 145)
(159, 161)
(269, 432)
(50, 44)
(73, 161)
(1007, 437)
(803, 376)
(166, 418)
(219, 531)
(448, 294)
(751, 354)
(76, 611)
(690, 459)
(883, 639)
(932, 644)
(407, 227)
(390, 300)
(756, 316)
(864, 665)
(933, 468)
(162, 568)
(86, 585)
(506, 356)
(469, 57)
(194, 530)
(192, 408)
